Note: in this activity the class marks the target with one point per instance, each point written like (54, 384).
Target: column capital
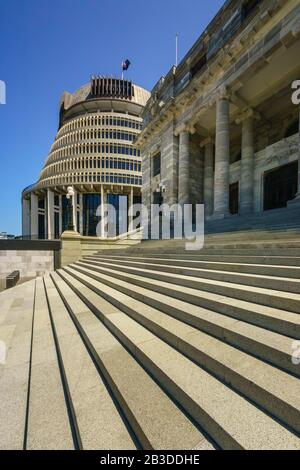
(184, 128)
(223, 93)
(249, 113)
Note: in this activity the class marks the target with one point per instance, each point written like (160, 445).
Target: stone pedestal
(221, 189)
(70, 247)
(247, 167)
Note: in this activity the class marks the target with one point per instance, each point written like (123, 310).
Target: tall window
(91, 202)
(156, 164)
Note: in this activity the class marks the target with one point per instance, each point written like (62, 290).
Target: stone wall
(29, 263)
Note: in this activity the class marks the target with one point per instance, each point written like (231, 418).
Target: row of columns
(216, 183)
(30, 212)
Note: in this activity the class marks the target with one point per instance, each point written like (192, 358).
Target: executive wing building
(94, 152)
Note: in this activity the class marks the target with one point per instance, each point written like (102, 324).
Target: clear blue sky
(48, 46)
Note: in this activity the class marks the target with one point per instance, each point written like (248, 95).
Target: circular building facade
(94, 152)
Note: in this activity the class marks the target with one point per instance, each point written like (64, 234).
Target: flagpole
(176, 47)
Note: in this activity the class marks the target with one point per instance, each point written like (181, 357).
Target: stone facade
(29, 263)
(224, 119)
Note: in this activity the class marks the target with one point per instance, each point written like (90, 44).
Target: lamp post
(70, 197)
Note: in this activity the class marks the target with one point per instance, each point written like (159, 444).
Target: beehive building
(94, 152)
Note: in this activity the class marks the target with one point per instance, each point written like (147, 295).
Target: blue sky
(48, 46)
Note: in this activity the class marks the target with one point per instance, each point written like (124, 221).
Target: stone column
(60, 215)
(81, 214)
(208, 176)
(50, 214)
(247, 167)
(221, 189)
(25, 218)
(183, 168)
(103, 202)
(74, 202)
(34, 218)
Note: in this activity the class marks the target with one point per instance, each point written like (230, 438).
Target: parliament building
(93, 152)
(221, 128)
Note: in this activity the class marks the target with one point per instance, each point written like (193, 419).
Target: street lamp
(70, 197)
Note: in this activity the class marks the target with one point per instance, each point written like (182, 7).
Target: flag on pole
(125, 64)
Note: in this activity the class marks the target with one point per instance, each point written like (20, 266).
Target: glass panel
(91, 202)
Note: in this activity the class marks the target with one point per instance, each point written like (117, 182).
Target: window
(41, 203)
(199, 65)
(280, 186)
(41, 227)
(156, 164)
(90, 220)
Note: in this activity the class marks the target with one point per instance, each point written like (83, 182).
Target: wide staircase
(287, 218)
(156, 347)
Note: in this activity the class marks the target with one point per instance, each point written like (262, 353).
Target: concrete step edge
(268, 297)
(278, 320)
(274, 282)
(266, 348)
(249, 387)
(141, 431)
(197, 408)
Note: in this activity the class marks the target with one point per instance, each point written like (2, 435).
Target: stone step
(277, 320)
(231, 420)
(270, 388)
(255, 235)
(225, 246)
(262, 269)
(218, 250)
(273, 298)
(51, 430)
(95, 421)
(16, 316)
(155, 419)
(289, 261)
(269, 346)
(233, 276)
